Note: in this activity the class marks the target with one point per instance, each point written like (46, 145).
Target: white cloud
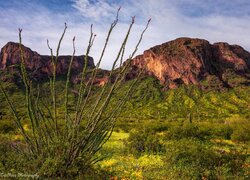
(96, 9)
(168, 22)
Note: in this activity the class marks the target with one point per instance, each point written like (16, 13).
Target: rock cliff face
(39, 66)
(232, 56)
(181, 61)
(187, 61)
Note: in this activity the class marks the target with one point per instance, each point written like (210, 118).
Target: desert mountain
(39, 66)
(188, 61)
(181, 61)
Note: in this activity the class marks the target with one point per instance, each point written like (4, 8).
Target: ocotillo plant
(69, 146)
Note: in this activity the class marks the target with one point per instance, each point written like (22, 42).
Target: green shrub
(200, 131)
(187, 130)
(221, 130)
(193, 159)
(144, 141)
(6, 126)
(11, 160)
(241, 131)
(159, 126)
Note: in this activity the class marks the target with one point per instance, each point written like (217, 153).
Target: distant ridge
(181, 61)
(40, 66)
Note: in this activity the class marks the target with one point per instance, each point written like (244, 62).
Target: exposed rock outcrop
(39, 66)
(187, 61)
(181, 61)
(232, 56)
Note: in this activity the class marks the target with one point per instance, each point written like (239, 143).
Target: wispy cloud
(95, 9)
(212, 20)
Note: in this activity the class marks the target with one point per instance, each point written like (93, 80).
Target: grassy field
(183, 152)
(185, 133)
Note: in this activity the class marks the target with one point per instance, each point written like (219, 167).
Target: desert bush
(186, 130)
(193, 159)
(202, 131)
(241, 131)
(6, 126)
(159, 126)
(9, 158)
(221, 130)
(144, 141)
(189, 158)
(57, 144)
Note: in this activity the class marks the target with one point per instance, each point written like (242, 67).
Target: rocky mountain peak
(187, 61)
(180, 61)
(39, 66)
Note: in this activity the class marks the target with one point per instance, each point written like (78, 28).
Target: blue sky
(214, 20)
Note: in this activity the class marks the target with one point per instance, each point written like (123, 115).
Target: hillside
(200, 69)
(187, 117)
(181, 61)
(189, 61)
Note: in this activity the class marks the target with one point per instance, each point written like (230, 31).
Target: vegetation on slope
(179, 133)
